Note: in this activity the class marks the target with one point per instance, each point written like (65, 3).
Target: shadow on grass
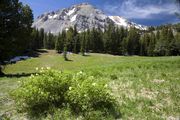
(18, 75)
(86, 55)
(68, 60)
(36, 53)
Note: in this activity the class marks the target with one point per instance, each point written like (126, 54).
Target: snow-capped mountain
(83, 16)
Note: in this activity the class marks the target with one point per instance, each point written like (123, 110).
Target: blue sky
(146, 12)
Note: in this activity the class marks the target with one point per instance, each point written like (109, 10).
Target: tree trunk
(1, 73)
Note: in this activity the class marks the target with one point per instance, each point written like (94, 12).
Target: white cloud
(132, 10)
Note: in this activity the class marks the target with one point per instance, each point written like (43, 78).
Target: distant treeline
(156, 41)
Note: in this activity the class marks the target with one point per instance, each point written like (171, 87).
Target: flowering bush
(43, 90)
(79, 92)
(89, 94)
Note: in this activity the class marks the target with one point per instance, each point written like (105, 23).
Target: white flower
(37, 68)
(48, 68)
(42, 68)
(94, 84)
(31, 76)
(70, 88)
(85, 95)
(80, 73)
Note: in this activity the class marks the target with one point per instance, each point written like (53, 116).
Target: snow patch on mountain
(125, 23)
(73, 18)
(119, 20)
(55, 16)
(71, 12)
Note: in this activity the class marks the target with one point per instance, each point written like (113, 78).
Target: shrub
(43, 90)
(87, 93)
(80, 92)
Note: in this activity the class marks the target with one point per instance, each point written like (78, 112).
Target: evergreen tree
(76, 43)
(65, 53)
(41, 37)
(15, 21)
(144, 43)
(108, 38)
(133, 42)
(87, 39)
(120, 36)
(161, 47)
(50, 41)
(69, 39)
(176, 45)
(58, 43)
(45, 39)
(171, 41)
(83, 41)
(151, 46)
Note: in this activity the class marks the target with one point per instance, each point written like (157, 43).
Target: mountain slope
(83, 16)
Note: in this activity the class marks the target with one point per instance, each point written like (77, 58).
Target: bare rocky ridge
(84, 16)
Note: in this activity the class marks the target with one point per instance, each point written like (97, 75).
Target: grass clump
(81, 93)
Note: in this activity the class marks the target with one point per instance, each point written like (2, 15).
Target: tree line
(156, 41)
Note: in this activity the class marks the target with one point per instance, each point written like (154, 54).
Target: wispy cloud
(132, 9)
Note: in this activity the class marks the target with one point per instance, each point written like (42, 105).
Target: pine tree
(83, 41)
(65, 53)
(76, 43)
(45, 41)
(161, 47)
(133, 42)
(108, 39)
(58, 43)
(69, 39)
(120, 37)
(151, 44)
(41, 37)
(176, 49)
(16, 21)
(50, 41)
(87, 37)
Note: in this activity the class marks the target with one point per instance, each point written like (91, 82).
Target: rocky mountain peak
(84, 16)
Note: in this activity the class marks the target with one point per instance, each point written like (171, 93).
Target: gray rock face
(84, 16)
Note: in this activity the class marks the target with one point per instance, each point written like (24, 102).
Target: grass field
(146, 87)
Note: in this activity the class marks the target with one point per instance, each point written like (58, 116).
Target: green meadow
(145, 87)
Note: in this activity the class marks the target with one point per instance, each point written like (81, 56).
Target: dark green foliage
(59, 44)
(16, 20)
(163, 45)
(157, 41)
(1, 73)
(76, 42)
(133, 42)
(175, 46)
(15, 28)
(83, 41)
